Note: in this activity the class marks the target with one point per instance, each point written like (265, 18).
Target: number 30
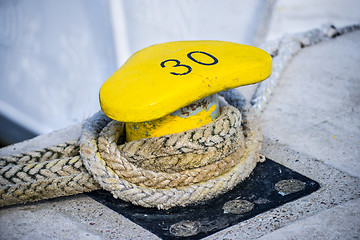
(189, 69)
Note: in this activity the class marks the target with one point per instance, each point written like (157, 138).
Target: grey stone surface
(77, 217)
(340, 222)
(315, 108)
(34, 223)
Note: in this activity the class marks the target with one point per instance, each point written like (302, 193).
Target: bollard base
(269, 186)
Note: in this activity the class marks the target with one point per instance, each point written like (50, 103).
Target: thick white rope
(165, 198)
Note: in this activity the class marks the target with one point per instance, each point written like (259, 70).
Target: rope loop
(138, 181)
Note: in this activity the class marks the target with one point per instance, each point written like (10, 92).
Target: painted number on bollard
(189, 69)
(147, 86)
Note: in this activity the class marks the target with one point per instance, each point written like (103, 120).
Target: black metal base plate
(269, 186)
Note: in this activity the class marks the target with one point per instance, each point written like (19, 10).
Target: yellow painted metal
(169, 124)
(163, 78)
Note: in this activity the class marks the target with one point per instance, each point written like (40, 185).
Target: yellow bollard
(192, 116)
(159, 83)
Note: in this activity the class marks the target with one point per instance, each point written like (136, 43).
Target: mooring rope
(218, 149)
(182, 151)
(200, 152)
(173, 170)
(164, 195)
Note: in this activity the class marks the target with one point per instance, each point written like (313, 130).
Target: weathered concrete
(76, 217)
(34, 223)
(340, 222)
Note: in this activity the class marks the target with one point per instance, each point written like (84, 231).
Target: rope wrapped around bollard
(163, 172)
(163, 190)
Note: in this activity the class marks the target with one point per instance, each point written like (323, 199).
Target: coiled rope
(207, 161)
(164, 190)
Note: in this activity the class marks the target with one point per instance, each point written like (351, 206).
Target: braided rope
(189, 149)
(36, 179)
(67, 149)
(165, 198)
(47, 188)
(107, 144)
(23, 173)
